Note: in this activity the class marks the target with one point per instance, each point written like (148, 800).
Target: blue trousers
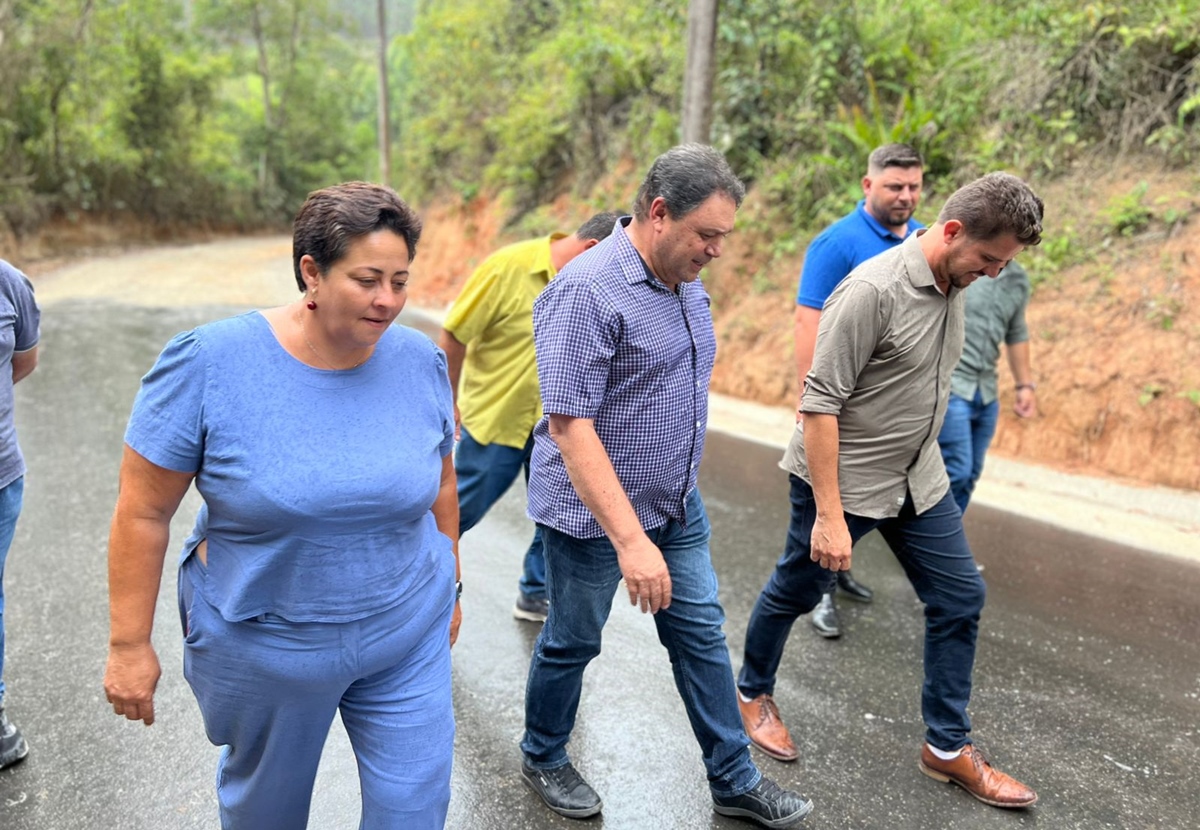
(966, 434)
(485, 472)
(268, 690)
(933, 551)
(11, 497)
(583, 578)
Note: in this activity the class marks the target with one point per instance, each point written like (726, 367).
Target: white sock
(943, 754)
(743, 698)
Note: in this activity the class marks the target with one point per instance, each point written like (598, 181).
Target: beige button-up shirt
(887, 345)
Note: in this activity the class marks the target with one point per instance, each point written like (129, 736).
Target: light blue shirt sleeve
(166, 427)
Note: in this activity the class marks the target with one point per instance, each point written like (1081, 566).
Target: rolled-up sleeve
(846, 338)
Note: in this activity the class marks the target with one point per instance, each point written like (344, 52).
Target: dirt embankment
(1115, 338)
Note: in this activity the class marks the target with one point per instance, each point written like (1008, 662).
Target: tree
(700, 70)
(385, 133)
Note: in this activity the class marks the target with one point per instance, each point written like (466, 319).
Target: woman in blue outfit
(322, 573)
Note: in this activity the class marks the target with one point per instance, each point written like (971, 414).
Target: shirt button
(900, 501)
(697, 425)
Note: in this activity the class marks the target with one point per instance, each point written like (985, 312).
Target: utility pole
(700, 70)
(385, 133)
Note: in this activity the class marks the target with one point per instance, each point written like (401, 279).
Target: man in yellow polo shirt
(488, 340)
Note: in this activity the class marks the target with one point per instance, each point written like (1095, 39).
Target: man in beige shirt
(865, 456)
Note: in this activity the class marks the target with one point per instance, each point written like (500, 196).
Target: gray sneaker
(768, 804)
(12, 746)
(530, 609)
(563, 789)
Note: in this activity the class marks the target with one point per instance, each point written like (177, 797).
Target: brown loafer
(760, 718)
(971, 771)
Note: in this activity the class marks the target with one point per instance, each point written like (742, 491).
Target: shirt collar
(919, 272)
(633, 266)
(544, 264)
(878, 227)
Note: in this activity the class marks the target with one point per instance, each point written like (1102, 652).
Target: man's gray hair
(994, 205)
(684, 177)
(893, 155)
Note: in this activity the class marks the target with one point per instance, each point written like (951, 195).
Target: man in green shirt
(488, 340)
(995, 314)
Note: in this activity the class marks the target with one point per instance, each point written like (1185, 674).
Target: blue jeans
(966, 434)
(10, 508)
(583, 578)
(933, 551)
(485, 472)
(268, 690)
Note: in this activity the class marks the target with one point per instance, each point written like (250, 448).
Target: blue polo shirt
(616, 345)
(839, 249)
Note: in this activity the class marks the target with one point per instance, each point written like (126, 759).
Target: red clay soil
(1115, 340)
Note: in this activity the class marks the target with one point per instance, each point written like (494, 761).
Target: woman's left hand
(455, 622)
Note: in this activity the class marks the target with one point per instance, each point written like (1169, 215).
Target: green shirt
(995, 314)
(498, 394)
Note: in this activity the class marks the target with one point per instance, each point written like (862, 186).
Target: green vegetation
(229, 111)
(536, 96)
(215, 111)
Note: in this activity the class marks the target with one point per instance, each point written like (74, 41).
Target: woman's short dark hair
(994, 205)
(332, 218)
(684, 177)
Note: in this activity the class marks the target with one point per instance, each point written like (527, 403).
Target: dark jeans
(966, 434)
(933, 551)
(583, 578)
(485, 472)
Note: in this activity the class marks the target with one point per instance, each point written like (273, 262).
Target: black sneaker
(767, 804)
(12, 746)
(530, 609)
(563, 789)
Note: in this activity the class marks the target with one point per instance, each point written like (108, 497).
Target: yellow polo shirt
(498, 395)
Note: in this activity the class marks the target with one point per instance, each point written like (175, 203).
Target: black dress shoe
(767, 804)
(853, 589)
(563, 789)
(825, 618)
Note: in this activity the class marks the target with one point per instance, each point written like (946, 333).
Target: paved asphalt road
(1087, 680)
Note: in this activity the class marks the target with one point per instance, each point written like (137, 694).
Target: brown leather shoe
(971, 771)
(760, 718)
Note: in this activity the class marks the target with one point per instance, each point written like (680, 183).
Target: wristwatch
(458, 590)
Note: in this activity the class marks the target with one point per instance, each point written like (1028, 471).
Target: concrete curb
(1157, 519)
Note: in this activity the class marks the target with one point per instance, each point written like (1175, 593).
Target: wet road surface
(1087, 678)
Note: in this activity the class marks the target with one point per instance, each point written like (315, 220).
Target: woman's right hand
(130, 678)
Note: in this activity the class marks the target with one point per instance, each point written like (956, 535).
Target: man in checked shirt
(625, 347)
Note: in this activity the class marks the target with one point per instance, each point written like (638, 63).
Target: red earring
(312, 305)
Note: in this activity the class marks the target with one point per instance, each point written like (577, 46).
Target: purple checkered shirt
(616, 345)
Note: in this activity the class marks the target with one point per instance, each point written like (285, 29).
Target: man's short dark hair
(994, 205)
(332, 218)
(598, 227)
(892, 155)
(684, 177)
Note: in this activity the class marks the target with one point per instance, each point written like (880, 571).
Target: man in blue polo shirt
(880, 221)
